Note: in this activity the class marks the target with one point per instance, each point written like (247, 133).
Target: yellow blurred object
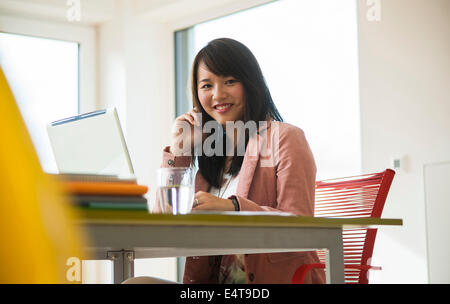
(39, 241)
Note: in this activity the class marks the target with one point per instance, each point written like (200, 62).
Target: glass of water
(176, 190)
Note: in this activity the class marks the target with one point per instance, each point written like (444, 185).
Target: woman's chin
(223, 120)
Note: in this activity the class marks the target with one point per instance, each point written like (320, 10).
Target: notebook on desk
(91, 144)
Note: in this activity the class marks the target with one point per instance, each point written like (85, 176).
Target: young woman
(228, 87)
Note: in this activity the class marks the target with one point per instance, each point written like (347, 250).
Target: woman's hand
(207, 201)
(183, 132)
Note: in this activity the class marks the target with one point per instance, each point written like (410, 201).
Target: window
(308, 51)
(44, 77)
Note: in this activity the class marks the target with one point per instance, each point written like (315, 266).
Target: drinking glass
(176, 190)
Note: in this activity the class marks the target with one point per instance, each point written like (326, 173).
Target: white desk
(123, 236)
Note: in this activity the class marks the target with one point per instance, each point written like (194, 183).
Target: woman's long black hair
(227, 57)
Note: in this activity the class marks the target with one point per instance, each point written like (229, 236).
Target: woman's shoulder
(285, 129)
(287, 144)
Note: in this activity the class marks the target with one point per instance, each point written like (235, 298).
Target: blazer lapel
(251, 159)
(246, 175)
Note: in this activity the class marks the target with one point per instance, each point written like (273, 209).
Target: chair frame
(369, 241)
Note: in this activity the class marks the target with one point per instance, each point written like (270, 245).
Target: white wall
(437, 198)
(405, 111)
(111, 66)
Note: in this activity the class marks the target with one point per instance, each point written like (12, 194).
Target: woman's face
(223, 98)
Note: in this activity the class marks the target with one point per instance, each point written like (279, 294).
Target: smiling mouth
(223, 107)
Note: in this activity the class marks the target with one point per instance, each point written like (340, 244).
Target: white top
(228, 188)
(233, 273)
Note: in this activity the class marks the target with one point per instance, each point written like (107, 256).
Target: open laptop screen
(91, 143)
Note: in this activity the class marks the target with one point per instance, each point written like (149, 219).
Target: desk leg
(123, 265)
(335, 260)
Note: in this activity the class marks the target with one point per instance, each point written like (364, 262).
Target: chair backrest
(357, 196)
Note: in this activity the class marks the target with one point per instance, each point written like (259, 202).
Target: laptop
(91, 144)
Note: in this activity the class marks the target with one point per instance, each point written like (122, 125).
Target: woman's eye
(231, 81)
(205, 86)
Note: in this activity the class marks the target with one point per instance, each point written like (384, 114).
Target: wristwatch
(235, 203)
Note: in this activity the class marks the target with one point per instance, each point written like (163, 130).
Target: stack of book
(104, 191)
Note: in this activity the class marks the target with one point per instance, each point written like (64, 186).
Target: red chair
(357, 196)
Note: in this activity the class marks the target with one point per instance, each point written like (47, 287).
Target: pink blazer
(278, 177)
